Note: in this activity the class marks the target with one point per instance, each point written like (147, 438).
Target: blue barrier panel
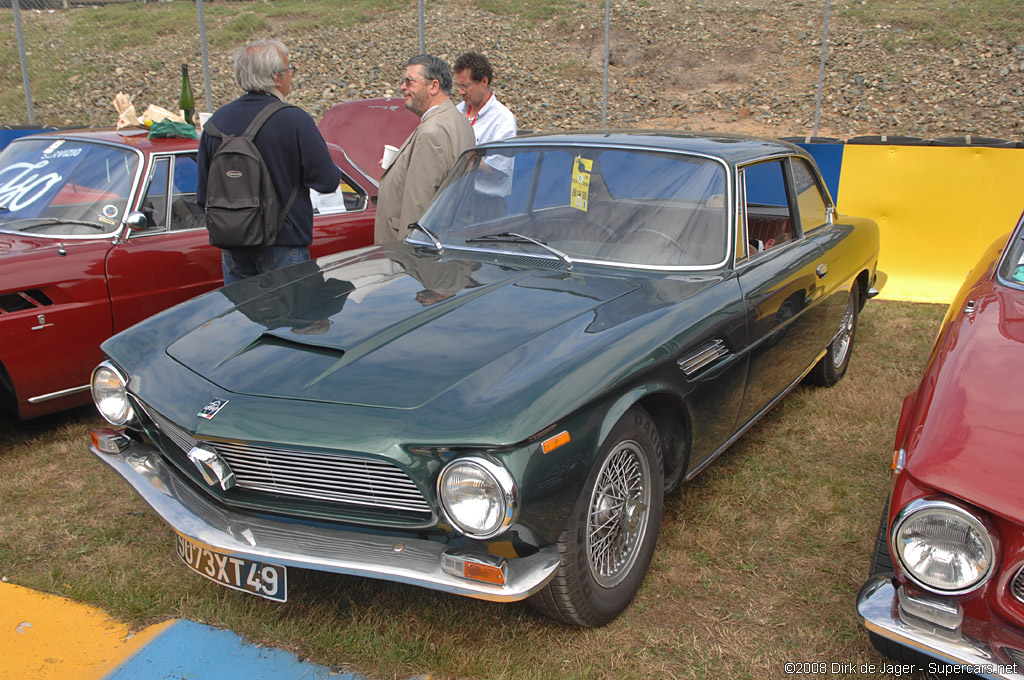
(10, 133)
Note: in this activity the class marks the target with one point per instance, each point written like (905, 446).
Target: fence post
(207, 89)
(607, 48)
(423, 44)
(821, 69)
(26, 83)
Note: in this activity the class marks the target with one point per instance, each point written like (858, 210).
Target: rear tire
(832, 366)
(607, 544)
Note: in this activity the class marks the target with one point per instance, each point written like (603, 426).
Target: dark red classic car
(946, 591)
(99, 229)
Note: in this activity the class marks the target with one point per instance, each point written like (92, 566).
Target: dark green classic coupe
(496, 406)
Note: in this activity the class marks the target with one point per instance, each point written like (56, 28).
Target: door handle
(821, 271)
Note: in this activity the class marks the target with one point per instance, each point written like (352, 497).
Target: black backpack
(242, 208)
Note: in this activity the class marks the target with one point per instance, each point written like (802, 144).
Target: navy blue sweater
(295, 154)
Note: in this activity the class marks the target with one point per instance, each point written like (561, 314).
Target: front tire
(833, 365)
(607, 544)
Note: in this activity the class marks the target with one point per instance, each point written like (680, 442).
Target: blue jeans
(238, 265)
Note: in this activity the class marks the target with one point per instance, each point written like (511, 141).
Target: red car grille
(1017, 585)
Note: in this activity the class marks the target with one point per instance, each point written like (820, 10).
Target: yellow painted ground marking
(45, 636)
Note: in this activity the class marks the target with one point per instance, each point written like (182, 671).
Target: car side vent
(704, 355)
(26, 299)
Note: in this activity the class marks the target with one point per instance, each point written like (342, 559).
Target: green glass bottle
(186, 102)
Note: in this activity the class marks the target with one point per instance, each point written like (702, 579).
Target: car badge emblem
(212, 409)
(213, 468)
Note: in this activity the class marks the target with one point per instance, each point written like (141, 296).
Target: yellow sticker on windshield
(580, 189)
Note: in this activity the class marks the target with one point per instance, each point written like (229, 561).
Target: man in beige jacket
(414, 176)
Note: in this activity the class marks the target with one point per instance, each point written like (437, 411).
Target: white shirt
(493, 121)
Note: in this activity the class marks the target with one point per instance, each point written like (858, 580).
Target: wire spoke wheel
(618, 516)
(844, 337)
(609, 539)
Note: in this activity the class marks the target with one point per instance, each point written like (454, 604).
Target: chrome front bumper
(413, 561)
(879, 610)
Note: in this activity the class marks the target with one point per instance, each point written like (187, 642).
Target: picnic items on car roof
(127, 117)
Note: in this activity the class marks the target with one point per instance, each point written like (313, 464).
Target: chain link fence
(744, 64)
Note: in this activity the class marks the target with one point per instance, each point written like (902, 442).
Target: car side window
(185, 212)
(810, 201)
(348, 197)
(766, 206)
(154, 201)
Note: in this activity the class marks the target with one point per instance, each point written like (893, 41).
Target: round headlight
(478, 496)
(110, 395)
(942, 546)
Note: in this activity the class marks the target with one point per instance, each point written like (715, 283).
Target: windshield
(619, 206)
(64, 187)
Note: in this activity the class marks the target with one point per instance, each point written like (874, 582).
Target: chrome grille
(1017, 585)
(1016, 656)
(332, 477)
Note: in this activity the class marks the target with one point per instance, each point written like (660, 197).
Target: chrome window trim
(1002, 262)
(153, 160)
(351, 182)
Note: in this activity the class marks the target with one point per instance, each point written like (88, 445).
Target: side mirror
(137, 221)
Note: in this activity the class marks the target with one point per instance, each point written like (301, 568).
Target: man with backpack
(255, 141)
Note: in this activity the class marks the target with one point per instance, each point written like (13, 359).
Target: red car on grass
(946, 591)
(99, 229)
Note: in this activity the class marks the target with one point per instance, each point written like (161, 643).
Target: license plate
(256, 578)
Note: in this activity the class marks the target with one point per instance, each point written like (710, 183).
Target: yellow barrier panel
(44, 636)
(938, 209)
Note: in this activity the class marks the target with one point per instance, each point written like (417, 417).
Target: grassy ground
(758, 563)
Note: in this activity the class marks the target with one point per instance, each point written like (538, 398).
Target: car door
(171, 259)
(783, 276)
(816, 222)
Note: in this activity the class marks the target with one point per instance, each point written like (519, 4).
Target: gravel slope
(737, 65)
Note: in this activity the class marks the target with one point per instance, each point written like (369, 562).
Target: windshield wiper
(39, 221)
(433, 237)
(513, 237)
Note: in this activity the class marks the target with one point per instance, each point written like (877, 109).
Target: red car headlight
(943, 547)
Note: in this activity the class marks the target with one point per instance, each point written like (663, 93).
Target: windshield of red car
(607, 205)
(64, 187)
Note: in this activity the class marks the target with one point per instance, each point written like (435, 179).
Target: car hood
(391, 328)
(970, 445)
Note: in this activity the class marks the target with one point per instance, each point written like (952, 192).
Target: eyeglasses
(290, 70)
(407, 81)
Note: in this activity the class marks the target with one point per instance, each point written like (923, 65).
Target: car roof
(133, 137)
(734, 149)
